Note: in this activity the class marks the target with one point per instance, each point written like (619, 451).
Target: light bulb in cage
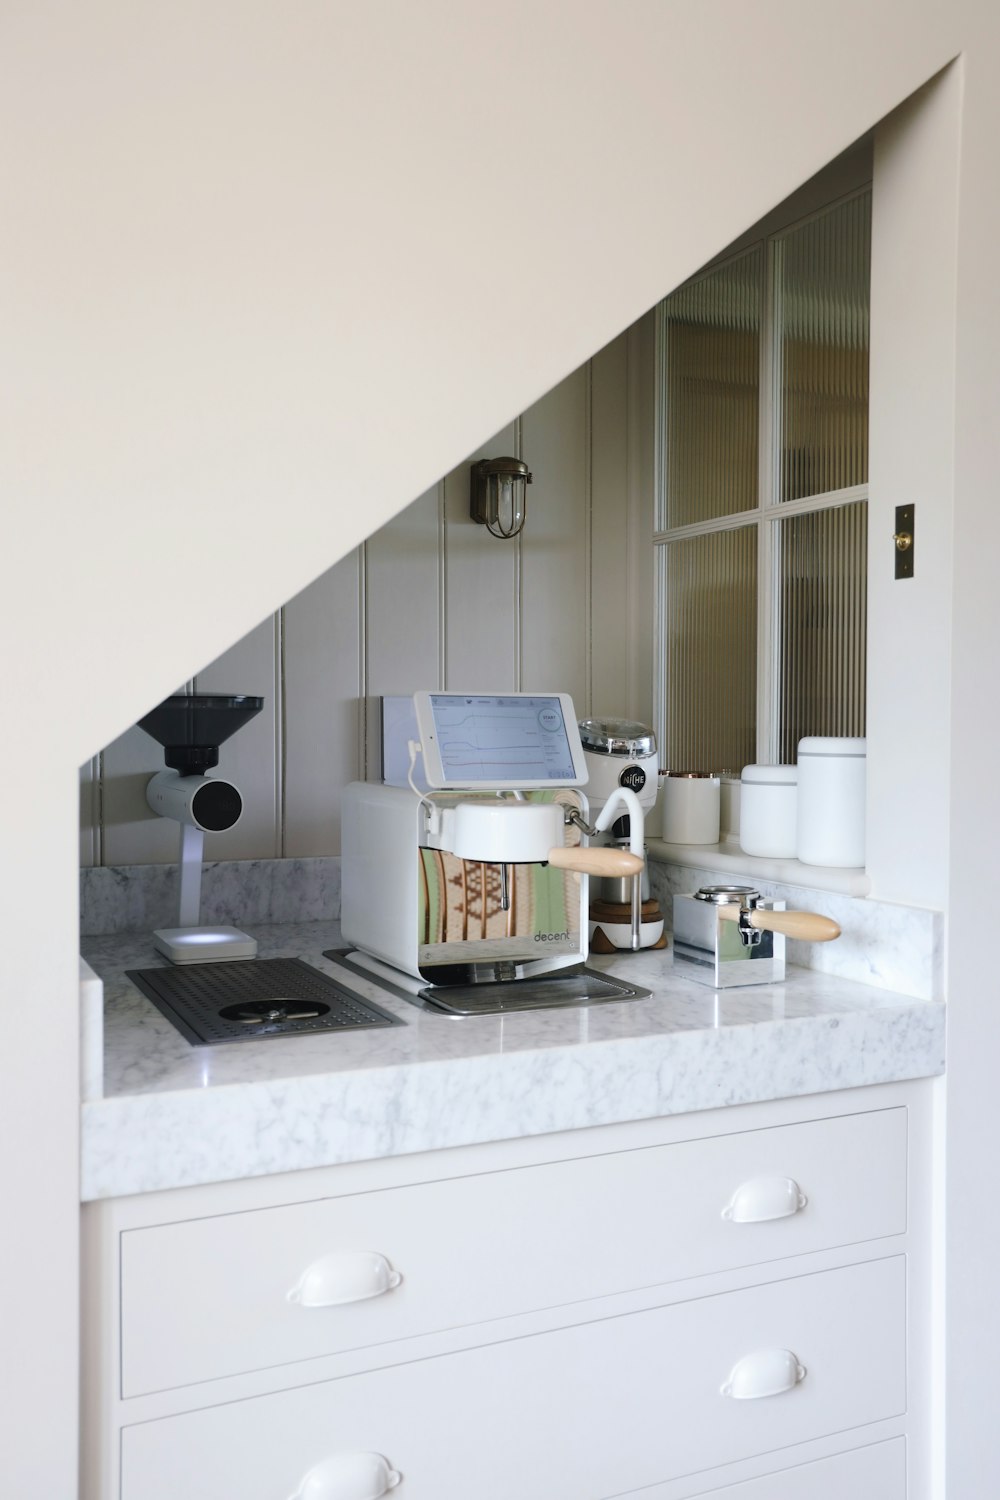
(498, 497)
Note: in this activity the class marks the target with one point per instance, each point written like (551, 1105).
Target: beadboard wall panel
(405, 566)
(253, 756)
(640, 424)
(554, 631)
(90, 814)
(609, 644)
(431, 600)
(323, 654)
(131, 833)
(482, 586)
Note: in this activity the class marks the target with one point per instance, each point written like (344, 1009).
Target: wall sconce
(498, 495)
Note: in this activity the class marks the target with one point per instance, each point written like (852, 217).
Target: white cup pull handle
(344, 1276)
(767, 1372)
(763, 1198)
(348, 1476)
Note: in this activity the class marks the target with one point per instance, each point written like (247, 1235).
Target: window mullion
(660, 514)
(769, 495)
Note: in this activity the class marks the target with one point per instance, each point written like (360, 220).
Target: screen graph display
(518, 739)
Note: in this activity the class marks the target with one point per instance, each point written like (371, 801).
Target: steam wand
(636, 822)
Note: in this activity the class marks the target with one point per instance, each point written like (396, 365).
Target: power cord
(415, 748)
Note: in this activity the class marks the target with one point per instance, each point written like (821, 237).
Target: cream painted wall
(431, 600)
(911, 421)
(973, 1120)
(235, 238)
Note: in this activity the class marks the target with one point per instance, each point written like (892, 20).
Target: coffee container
(768, 810)
(691, 807)
(832, 790)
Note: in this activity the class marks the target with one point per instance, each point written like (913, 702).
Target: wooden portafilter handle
(807, 926)
(600, 861)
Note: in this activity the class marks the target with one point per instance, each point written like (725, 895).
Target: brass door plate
(903, 538)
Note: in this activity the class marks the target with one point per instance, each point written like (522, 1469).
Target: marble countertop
(175, 1115)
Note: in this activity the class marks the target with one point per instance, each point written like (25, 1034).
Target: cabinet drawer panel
(209, 1297)
(589, 1411)
(875, 1473)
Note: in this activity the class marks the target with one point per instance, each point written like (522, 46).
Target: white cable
(415, 748)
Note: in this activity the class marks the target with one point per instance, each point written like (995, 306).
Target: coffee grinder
(621, 753)
(191, 727)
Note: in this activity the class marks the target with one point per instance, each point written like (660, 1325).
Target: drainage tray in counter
(566, 987)
(261, 997)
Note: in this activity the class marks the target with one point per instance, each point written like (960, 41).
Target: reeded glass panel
(710, 651)
(711, 394)
(822, 565)
(821, 290)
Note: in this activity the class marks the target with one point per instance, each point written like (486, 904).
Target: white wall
(973, 1220)
(253, 304)
(911, 421)
(431, 600)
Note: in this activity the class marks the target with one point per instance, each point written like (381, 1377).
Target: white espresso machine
(482, 878)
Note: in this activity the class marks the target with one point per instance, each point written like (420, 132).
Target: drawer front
(210, 1297)
(876, 1473)
(589, 1411)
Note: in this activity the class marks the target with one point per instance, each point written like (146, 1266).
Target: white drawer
(589, 1411)
(875, 1473)
(209, 1297)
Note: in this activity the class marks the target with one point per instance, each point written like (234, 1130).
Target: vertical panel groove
(362, 675)
(442, 586)
(588, 541)
(281, 728)
(518, 612)
(98, 765)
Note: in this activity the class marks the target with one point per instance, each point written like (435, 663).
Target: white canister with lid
(690, 807)
(768, 808)
(832, 789)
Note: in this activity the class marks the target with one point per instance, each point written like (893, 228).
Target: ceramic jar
(832, 788)
(768, 806)
(690, 802)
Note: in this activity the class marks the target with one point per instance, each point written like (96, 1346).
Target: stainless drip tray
(574, 986)
(238, 1002)
(577, 987)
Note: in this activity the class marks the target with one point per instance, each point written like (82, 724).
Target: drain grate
(238, 1002)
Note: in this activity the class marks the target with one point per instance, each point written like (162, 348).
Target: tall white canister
(831, 816)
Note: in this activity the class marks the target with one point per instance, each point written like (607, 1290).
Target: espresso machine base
(568, 987)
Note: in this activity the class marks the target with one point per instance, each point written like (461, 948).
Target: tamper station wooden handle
(596, 861)
(807, 926)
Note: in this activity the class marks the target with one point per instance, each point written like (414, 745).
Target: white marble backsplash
(897, 948)
(893, 947)
(140, 898)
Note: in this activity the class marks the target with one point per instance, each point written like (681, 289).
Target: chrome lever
(573, 815)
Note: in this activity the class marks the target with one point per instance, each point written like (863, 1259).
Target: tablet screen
(517, 739)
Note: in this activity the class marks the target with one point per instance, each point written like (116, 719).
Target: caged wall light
(498, 495)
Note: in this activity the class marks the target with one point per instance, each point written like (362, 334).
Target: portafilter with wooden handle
(724, 935)
(807, 926)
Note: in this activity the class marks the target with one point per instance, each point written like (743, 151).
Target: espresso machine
(474, 892)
